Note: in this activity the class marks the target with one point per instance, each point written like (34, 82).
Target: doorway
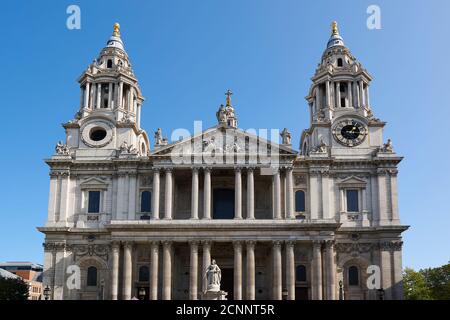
(227, 282)
(301, 293)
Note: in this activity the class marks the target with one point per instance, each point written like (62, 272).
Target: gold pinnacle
(334, 28)
(116, 31)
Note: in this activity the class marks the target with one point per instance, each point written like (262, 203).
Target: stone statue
(322, 148)
(286, 136)
(159, 140)
(388, 147)
(221, 114)
(213, 276)
(61, 149)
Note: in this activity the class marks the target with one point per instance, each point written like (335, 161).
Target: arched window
(339, 62)
(300, 201)
(353, 276)
(144, 274)
(109, 63)
(146, 201)
(300, 273)
(92, 277)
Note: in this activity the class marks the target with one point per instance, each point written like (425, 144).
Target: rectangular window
(352, 201)
(94, 202)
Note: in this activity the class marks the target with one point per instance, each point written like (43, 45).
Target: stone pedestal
(214, 295)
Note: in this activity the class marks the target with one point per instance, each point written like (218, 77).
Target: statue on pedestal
(213, 276)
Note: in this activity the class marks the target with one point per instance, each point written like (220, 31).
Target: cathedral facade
(133, 218)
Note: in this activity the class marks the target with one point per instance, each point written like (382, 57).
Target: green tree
(415, 285)
(13, 289)
(438, 281)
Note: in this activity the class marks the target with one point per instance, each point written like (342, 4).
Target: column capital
(167, 243)
(156, 170)
(168, 169)
(250, 243)
(194, 242)
(206, 243)
(155, 242)
(237, 169)
(237, 244)
(250, 169)
(329, 244)
(207, 169)
(277, 243)
(128, 244)
(317, 243)
(115, 245)
(289, 243)
(195, 169)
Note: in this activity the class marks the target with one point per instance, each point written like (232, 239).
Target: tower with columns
(139, 222)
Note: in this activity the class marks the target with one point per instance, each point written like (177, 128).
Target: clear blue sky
(187, 53)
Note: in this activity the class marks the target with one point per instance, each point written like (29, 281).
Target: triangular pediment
(94, 183)
(353, 181)
(226, 139)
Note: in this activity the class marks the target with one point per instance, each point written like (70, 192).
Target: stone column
(237, 270)
(398, 276)
(367, 96)
(99, 95)
(237, 194)
(207, 194)
(394, 196)
(277, 271)
(250, 195)
(382, 196)
(361, 93)
(289, 194)
(330, 270)
(386, 269)
(120, 95)
(167, 270)
(290, 270)
(168, 195)
(316, 287)
(349, 94)
(110, 95)
(86, 95)
(327, 94)
(64, 207)
(250, 270)
(338, 94)
(194, 194)
(115, 271)
(154, 263)
(155, 194)
(193, 272)
(276, 184)
(132, 196)
(127, 271)
(206, 261)
(318, 104)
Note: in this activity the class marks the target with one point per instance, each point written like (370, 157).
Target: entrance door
(227, 282)
(223, 204)
(301, 293)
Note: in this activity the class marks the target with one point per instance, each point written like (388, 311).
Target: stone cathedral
(133, 216)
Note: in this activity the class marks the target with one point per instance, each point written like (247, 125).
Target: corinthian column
(290, 270)
(167, 270)
(193, 272)
(316, 288)
(168, 195)
(207, 194)
(237, 270)
(289, 194)
(127, 271)
(277, 195)
(155, 194)
(250, 195)
(115, 271)
(194, 194)
(206, 261)
(154, 270)
(237, 194)
(330, 270)
(277, 273)
(250, 270)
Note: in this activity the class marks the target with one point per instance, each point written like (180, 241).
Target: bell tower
(341, 117)
(108, 119)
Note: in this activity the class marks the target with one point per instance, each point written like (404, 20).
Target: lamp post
(46, 293)
(380, 293)
(341, 290)
(141, 293)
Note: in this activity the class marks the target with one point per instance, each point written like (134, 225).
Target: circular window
(97, 134)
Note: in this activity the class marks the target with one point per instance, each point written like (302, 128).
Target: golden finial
(334, 28)
(228, 94)
(116, 32)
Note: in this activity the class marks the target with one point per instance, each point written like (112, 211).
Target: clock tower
(342, 121)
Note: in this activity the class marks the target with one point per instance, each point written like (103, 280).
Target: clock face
(350, 132)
